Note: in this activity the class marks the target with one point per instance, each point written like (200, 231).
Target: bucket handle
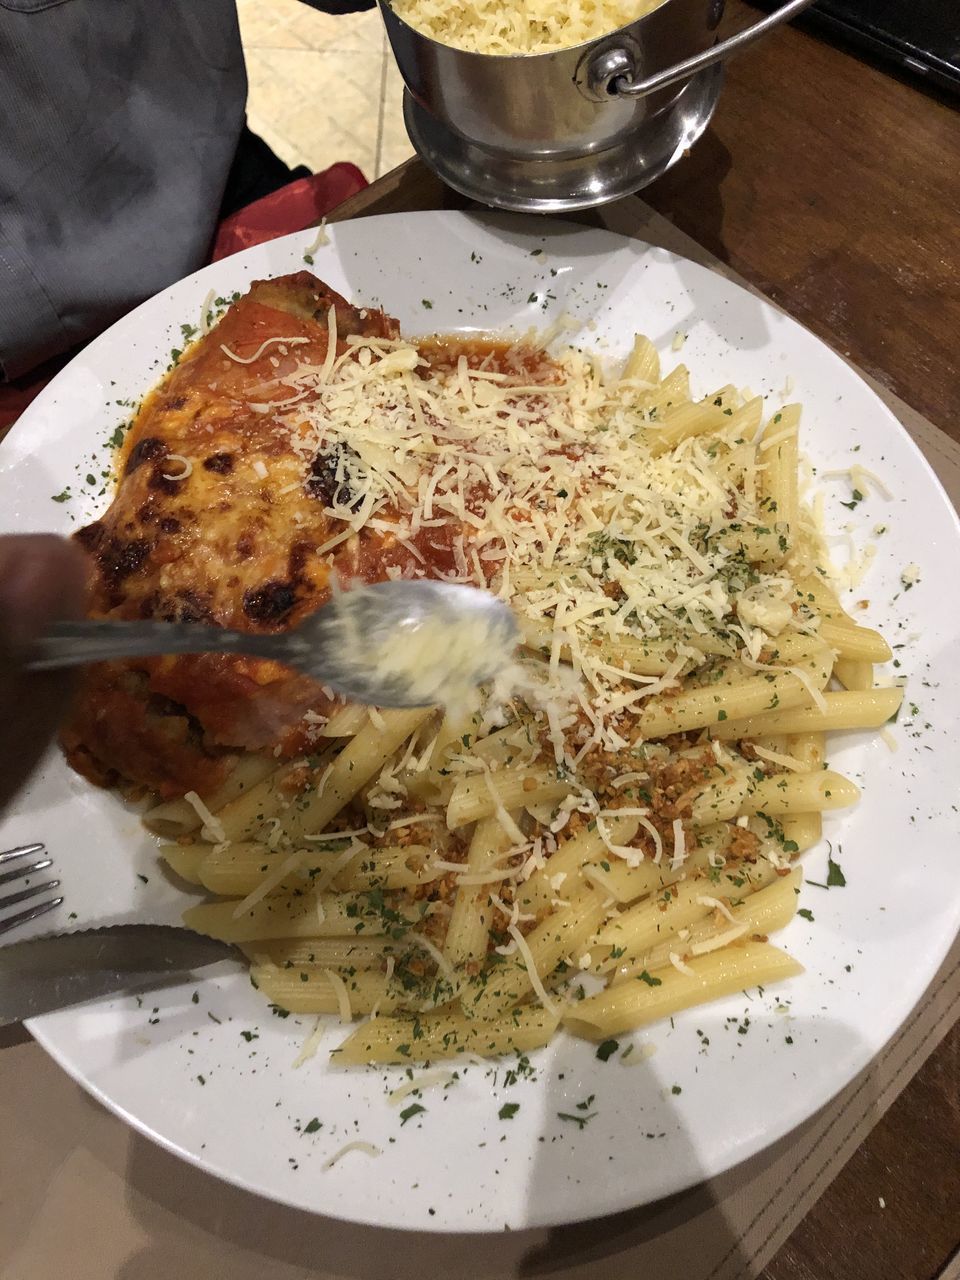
(624, 85)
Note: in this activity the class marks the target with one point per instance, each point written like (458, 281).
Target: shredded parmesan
(293, 862)
(642, 1053)
(206, 313)
(322, 239)
(721, 940)
(717, 904)
(816, 695)
(366, 1147)
(267, 342)
(679, 845)
(340, 991)
(212, 828)
(778, 758)
(428, 1080)
(680, 966)
(311, 1044)
(526, 956)
(503, 817)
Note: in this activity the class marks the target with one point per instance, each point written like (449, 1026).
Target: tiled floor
(323, 88)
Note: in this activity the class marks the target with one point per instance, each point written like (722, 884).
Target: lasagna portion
(231, 510)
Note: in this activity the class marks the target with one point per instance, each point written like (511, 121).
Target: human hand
(42, 580)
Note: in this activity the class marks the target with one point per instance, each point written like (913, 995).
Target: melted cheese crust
(215, 521)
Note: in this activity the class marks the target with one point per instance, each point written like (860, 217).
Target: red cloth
(295, 207)
(298, 205)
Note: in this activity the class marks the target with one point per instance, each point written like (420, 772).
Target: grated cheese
(639, 1055)
(340, 991)
(293, 862)
(778, 758)
(705, 900)
(366, 1147)
(721, 940)
(427, 1081)
(816, 695)
(206, 313)
(526, 955)
(311, 1044)
(322, 238)
(514, 27)
(630, 520)
(212, 828)
(680, 966)
(679, 845)
(267, 342)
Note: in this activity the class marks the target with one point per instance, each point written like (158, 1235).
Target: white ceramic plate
(209, 1074)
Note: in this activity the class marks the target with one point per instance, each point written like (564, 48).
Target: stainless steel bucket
(566, 130)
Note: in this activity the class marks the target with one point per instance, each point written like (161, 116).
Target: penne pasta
(684, 421)
(801, 793)
(857, 644)
(304, 915)
(870, 710)
(324, 953)
(484, 794)
(360, 761)
(643, 363)
(638, 1002)
(179, 817)
(625, 884)
(436, 1036)
(564, 932)
(854, 673)
(184, 860)
(702, 708)
(639, 929)
(779, 481)
(346, 722)
(469, 927)
(625, 802)
(310, 990)
(561, 874)
(765, 911)
(238, 868)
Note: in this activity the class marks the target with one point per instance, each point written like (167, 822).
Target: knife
(40, 975)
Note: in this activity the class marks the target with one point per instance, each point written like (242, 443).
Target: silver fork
(23, 870)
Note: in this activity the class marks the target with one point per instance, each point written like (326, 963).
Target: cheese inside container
(541, 125)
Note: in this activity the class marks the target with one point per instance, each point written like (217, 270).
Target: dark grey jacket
(119, 120)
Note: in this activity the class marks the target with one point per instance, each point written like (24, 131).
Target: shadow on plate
(234, 1232)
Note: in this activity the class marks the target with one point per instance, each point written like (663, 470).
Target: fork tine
(22, 872)
(22, 851)
(12, 899)
(24, 917)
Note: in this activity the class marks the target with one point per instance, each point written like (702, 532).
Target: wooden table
(835, 188)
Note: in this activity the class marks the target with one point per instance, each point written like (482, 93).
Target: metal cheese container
(576, 127)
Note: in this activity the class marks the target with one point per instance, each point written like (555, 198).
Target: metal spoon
(392, 644)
